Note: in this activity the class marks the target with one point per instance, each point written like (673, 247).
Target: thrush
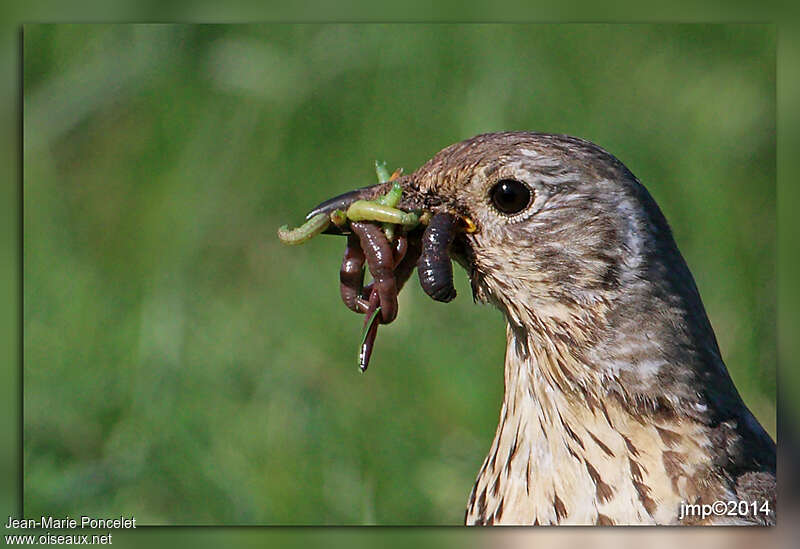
(618, 408)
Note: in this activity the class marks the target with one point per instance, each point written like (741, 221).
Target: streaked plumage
(618, 406)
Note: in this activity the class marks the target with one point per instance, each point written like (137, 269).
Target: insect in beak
(343, 202)
(389, 231)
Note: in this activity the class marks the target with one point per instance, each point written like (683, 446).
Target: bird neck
(566, 452)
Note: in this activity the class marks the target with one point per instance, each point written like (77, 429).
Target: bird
(618, 408)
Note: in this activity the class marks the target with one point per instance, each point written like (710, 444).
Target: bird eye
(510, 196)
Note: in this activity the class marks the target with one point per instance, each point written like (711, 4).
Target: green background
(183, 366)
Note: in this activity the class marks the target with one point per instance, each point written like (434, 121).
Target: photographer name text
(67, 522)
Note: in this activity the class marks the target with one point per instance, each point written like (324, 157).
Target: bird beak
(343, 201)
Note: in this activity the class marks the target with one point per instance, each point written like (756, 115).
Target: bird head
(557, 224)
(572, 248)
(557, 220)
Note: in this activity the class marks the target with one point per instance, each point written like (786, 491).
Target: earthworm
(403, 264)
(435, 268)
(371, 322)
(380, 261)
(390, 264)
(351, 275)
(399, 248)
(407, 251)
(406, 254)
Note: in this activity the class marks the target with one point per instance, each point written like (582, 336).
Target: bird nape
(618, 408)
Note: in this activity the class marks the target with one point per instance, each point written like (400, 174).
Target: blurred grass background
(183, 366)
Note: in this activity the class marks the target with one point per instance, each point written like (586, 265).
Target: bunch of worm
(391, 242)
